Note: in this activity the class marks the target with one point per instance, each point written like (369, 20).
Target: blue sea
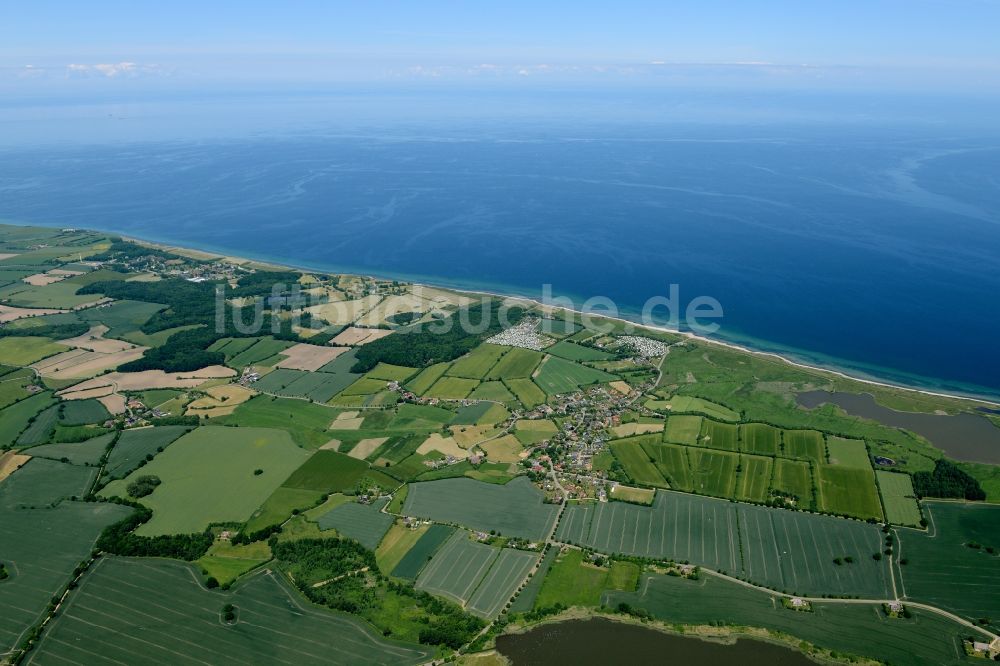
(853, 233)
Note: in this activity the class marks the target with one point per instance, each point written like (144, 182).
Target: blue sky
(912, 44)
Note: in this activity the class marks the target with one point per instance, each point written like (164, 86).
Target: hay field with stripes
(478, 577)
(132, 611)
(784, 550)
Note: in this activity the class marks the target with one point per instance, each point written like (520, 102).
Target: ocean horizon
(843, 244)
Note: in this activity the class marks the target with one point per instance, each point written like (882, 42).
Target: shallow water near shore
(962, 436)
(599, 642)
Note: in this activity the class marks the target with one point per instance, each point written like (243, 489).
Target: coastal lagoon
(813, 235)
(962, 436)
(596, 642)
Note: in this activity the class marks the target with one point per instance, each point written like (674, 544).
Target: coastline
(991, 400)
(836, 372)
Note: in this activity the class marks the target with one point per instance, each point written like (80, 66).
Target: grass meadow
(209, 476)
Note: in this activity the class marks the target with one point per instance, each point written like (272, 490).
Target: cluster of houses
(248, 377)
(524, 335)
(136, 414)
(644, 347)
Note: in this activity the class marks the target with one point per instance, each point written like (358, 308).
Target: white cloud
(124, 69)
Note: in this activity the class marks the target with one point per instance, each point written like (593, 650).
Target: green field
(226, 561)
(760, 438)
(306, 422)
(452, 388)
(719, 435)
(672, 462)
(572, 351)
(849, 491)
(926, 639)
(848, 453)
(558, 376)
(13, 386)
(804, 445)
(232, 346)
(265, 351)
(784, 550)
(15, 418)
(414, 417)
(518, 363)
(480, 413)
(481, 578)
(900, 502)
(60, 295)
(397, 449)
(279, 507)
(513, 509)
(794, 552)
(417, 557)
(500, 582)
(26, 350)
(713, 472)
(681, 404)
(208, 476)
(683, 527)
(477, 363)
(327, 471)
(573, 582)
(943, 570)
(637, 461)
(41, 546)
(134, 445)
(42, 482)
(794, 478)
(532, 431)
(88, 452)
(495, 391)
(682, 430)
(41, 428)
(426, 378)
(364, 523)
(123, 318)
(156, 397)
(457, 568)
(81, 412)
(526, 391)
(754, 478)
(298, 383)
(525, 600)
(391, 373)
(153, 611)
